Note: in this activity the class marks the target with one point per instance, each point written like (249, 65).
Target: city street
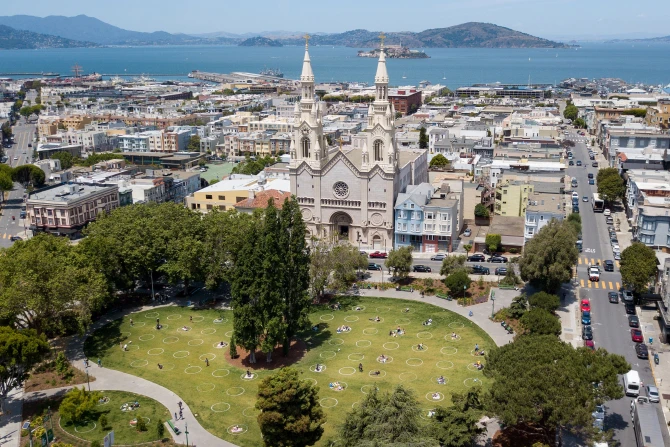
(610, 324)
(19, 154)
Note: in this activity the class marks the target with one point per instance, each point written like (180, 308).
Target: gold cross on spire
(306, 37)
(382, 36)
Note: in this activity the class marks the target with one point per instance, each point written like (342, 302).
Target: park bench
(444, 296)
(174, 429)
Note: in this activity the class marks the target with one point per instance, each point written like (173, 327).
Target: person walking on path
(99, 363)
(360, 367)
(175, 416)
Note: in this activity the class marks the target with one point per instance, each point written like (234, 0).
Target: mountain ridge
(13, 39)
(662, 39)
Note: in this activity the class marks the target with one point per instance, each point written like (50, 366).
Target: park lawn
(220, 396)
(119, 421)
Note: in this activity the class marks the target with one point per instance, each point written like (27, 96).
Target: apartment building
(270, 125)
(148, 141)
(175, 139)
(659, 115)
(428, 218)
(405, 101)
(541, 209)
(512, 197)
(634, 139)
(648, 207)
(66, 209)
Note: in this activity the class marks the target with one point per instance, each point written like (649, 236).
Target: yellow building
(224, 194)
(512, 198)
(659, 116)
(76, 122)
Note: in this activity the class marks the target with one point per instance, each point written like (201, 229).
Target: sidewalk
(569, 315)
(10, 422)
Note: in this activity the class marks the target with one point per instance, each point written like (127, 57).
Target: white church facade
(348, 193)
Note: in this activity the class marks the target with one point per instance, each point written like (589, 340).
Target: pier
(31, 74)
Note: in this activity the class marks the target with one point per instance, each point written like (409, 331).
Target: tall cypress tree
(294, 271)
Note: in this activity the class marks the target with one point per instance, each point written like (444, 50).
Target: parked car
(608, 265)
(587, 332)
(421, 268)
(607, 212)
(579, 162)
(594, 164)
(614, 240)
(575, 209)
(30, 145)
(617, 256)
(585, 305)
(439, 257)
(585, 199)
(652, 393)
(467, 232)
(498, 259)
(615, 247)
(636, 335)
(633, 321)
(15, 238)
(373, 266)
(613, 297)
(379, 254)
(501, 271)
(571, 163)
(480, 269)
(630, 309)
(586, 317)
(642, 351)
(627, 296)
(590, 175)
(589, 344)
(476, 258)
(592, 182)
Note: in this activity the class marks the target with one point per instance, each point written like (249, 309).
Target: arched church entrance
(340, 223)
(377, 242)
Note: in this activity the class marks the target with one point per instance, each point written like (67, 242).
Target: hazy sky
(544, 18)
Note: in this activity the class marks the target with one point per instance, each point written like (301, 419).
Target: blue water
(648, 63)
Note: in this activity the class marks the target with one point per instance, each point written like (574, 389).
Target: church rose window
(340, 189)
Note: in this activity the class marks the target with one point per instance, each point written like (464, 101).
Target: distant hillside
(663, 39)
(466, 35)
(91, 29)
(260, 42)
(13, 39)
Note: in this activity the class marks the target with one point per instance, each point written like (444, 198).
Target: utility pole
(186, 432)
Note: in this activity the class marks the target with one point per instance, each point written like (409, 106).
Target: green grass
(208, 395)
(119, 421)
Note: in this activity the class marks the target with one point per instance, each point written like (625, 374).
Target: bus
(597, 203)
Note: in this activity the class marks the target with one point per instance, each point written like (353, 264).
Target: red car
(589, 344)
(379, 254)
(636, 335)
(586, 305)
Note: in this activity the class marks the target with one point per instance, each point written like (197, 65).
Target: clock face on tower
(340, 190)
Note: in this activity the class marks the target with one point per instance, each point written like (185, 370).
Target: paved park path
(109, 379)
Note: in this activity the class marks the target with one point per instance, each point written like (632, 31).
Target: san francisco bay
(454, 67)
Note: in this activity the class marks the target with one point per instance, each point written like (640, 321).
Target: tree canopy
(544, 300)
(575, 219)
(549, 256)
(493, 241)
(539, 321)
(399, 261)
(19, 352)
(452, 263)
(544, 381)
(458, 282)
(291, 415)
(423, 138)
(28, 174)
(637, 266)
(253, 167)
(193, 144)
(610, 184)
(571, 112)
(66, 159)
(439, 161)
(78, 404)
(481, 210)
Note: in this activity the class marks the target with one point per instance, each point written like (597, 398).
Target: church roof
(307, 73)
(382, 75)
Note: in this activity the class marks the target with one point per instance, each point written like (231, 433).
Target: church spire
(307, 73)
(382, 76)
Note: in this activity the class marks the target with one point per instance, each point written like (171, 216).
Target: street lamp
(464, 289)
(493, 304)
(87, 380)
(186, 432)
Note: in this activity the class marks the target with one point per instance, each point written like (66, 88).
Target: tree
(343, 260)
(399, 261)
(458, 282)
(580, 123)
(193, 144)
(423, 138)
(575, 219)
(62, 365)
(571, 112)
(160, 429)
(439, 161)
(45, 286)
(78, 404)
(390, 419)
(451, 264)
(544, 300)
(481, 210)
(567, 144)
(544, 382)
(291, 415)
(610, 184)
(6, 183)
(467, 248)
(638, 266)
(493, 242)
(19, 352)
(540, 322)
(27, 174)
(141, 423)
(66, 159)
(549, 256)
(518, 307)
(103, 422)
(320, 267)
(458, 425)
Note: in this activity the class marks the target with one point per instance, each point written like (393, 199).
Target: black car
(642, 351)
(481, 270)
(501, 271)
(373, 266)
(575, 209)
(608, 265)
(630, 309)
(498, 259)
(571, 163)
(613, 297)
(587, 333)
(590, 174)
(15, 238)
(579, 162)
(633, 321)
(476, 258)
(422, 268)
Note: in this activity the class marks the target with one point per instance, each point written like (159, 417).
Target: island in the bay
(395, 52)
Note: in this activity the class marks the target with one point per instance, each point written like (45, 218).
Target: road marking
(597, 284)
(611, 286)
(617, 263)
(589, 284)
(4, 236)
(580, 261)
(581, 283)
(618, 286)
(592, 262)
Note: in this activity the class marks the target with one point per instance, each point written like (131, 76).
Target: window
(411, 205)
(404, 227)
(430, 215)
(209, 207)
(649, 225)
(398, 226)
(208, 196)
(305, 144)
(443, 228)
(416, 215)
(222, 197)
(430, 237)
(531, 231)
(444, 216)
(647, 239)
(541, 218)
(401, 238)
(222, 207)
(378, 148)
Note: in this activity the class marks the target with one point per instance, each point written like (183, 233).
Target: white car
(616, 249)
(607, 212)
(467, 232)
(617, 256)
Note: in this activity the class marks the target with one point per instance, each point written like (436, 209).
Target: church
(348, 193)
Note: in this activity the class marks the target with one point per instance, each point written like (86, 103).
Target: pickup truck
(379, 255)
(594, 273)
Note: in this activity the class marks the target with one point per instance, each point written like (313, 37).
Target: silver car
(439, 257)
(652, 393)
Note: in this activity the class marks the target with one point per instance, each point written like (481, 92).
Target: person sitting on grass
(376, 373)
(406, 310)
(454, 336)
(428, 322)
(440, 380)
(318, 368)
(160, 366)
(236, 429)
(382, 358)
(221, 344)
(419, 347)
(479, 365)
(185, 328)
(436, 396)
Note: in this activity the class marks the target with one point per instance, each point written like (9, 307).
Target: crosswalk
(605, 285)
(587, 261)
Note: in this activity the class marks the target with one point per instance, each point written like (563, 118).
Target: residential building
(659, 115)
(348, 193)
(259, 200)
(66, 209)
(176, 138)
(512, 197)
(633, 140)
(648, 207)
(405, 101)
(148, 141)
(45, 151)
(271, 125)
(427, 218)
(510, 229)
(541, 209)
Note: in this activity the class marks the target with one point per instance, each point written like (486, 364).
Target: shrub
(95, 443)
(141, 423)
(160, 429)
(102, 422)
(233, 348)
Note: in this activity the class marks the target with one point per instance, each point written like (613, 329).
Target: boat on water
(276, 72)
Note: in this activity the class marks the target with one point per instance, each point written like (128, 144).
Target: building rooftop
(544, 202)
(249, 183)
(260, 199)
(67, 193)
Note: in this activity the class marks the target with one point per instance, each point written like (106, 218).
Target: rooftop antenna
(76, 69)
